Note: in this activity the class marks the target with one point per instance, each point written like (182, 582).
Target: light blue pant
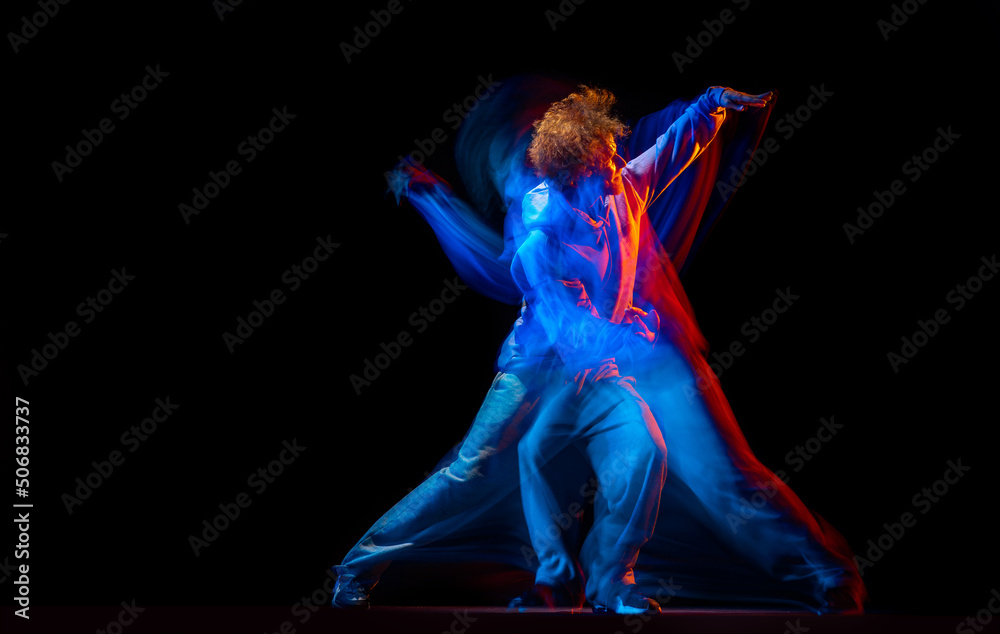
(482, 473)
(612, 426)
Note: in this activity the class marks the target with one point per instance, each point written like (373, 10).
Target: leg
(553, 430)
(628, 454)
(450, 497)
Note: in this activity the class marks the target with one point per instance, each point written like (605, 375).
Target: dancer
(576, 268)
(573, 253)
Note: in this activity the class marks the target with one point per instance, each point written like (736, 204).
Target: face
(611, 171)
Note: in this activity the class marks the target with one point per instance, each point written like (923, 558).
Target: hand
(406, 174)
(398, 180)
(742, 101)
(641, 322)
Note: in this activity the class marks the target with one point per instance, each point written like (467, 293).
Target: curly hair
(572, 138)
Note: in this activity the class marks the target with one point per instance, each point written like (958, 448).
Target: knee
(643, 446)
(508, 381)
(643, 461)
(463, 469)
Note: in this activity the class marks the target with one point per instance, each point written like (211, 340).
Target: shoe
(629, 600)
(349, 592)
(543, 596)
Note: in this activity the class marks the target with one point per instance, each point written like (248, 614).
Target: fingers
(648, 336)
(751, 100)
(756, 101)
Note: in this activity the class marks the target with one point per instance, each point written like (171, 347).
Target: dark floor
(471, 620)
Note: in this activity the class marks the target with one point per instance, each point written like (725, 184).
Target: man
(589, 321)
(577, 269)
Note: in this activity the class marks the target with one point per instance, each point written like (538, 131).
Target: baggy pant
(612, 425)
(453, 496)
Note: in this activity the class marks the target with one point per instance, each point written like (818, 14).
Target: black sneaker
(349, 592)
(543, 596)
(628, 600)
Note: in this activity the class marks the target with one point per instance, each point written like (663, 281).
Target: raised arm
(679, 145)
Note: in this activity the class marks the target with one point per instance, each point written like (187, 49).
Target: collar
(594, 213)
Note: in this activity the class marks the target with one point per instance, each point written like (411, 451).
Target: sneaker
(629, 600)
(349, 592)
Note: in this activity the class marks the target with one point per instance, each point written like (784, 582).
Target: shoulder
(530, 260)
(545, 207)
(534, 207)
(536, 244)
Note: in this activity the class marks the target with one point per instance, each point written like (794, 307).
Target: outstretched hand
(741, 101)
(408, 173)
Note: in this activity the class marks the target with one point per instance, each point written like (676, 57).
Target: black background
(322, 176)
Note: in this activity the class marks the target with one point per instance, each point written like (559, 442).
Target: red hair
(574, 136)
